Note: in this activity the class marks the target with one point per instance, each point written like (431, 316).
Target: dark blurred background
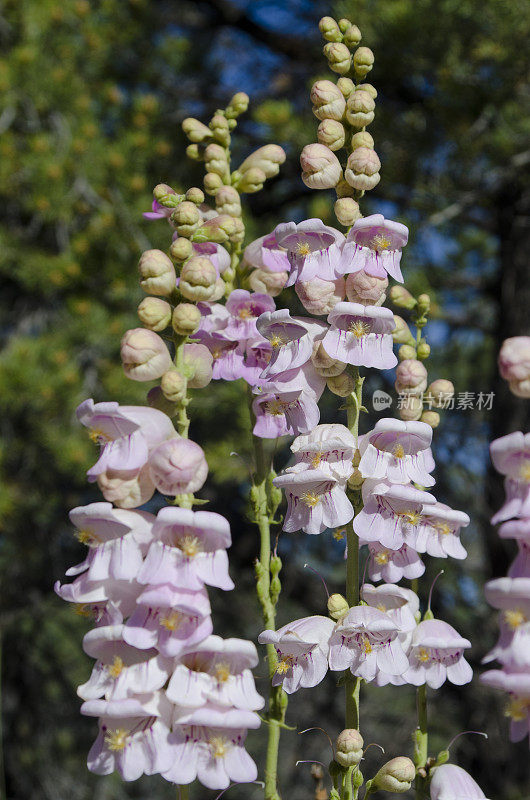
(91, 99)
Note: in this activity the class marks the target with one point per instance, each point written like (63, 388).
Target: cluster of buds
(344, 108)
(417, 398)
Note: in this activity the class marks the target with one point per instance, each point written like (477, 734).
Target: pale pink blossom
(144, 355)
(244, 309)
(121, 670)
(514, 364)
(437, 655)
(132, 746)
(366, 289)
(361, 335)
(329, 447)
(398, 451)
(169, 619)
(291, 339)
(518, 529)
(188, 549)
(266, 253)
(366, 642)
(216, 671)
(320, 296)
(107, 602)
(315, 501)
(302, 650)
(400, 604)
(385, 564)
(450, 782)
(117, 540)
(126, 488)
(391, 513)
(314, 250)
(511, 596)
(511, 457)
(514, 678)
(374, 244)
(438, 533)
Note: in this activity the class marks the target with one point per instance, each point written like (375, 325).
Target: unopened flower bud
(162, 191)
(220, 287)
(424, 304)
(406, 352)
(424, 351)
(347, 211)
(396, 775)
(402, 333)
(326, 365)
(363, 61)
(219, 229)
(195, 195)
(186, 218)
(363, 168)
(195, 130)
(431, 418)
(126, 488)
(411, 408)
(180, 249)
(440, 392)
(349, 747)
(198, 278)
(360, 109)
(319, 296)
(237, 105)
(342, 385)
(346, 86)
(227, 201)
(343, 189)
(367, 87)
(401, 297)
(154, 313)
(220, 129)
(271, 283)
(352, 36)
(193, 152)
(267, 158)
(514, 364)
(252, 180)
(320, 167)
(362, 139)
(328, 100)
(216, 160)
(156, 399)
(157, 273)
(337, 607)
(411, 377)
(173, 385)
(329, 29)
(331, 133)
(212, 183)
(198, 363)
(144, 355)
(186, 319)
(338, 56)
(178, 466)
(368, 290)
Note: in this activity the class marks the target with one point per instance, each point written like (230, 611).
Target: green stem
(3, 790)
(421, 740)
(183, 792)
(261, 505)
(183, 422)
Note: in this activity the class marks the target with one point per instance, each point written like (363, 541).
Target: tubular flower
(400, 604)
(514, 678)
(329, 448)
(265, 253)
(518, 529)
(437, 654)
(315, 501)
(314, 250)
(385, 564)
(361, 335)
(302, 650)
(450, 782)
(398, 452)
(391, 514)
(511, 457)
(374, 244)
(291, 340)
(439, 532)
(511, 596)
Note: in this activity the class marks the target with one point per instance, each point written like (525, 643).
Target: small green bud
(360, 109)
(402, 333)
(352, 36)
(362, 139)
(424, 304)
(166, 196)
(275, 565)
(251, 181)
(275, 588)
(401, 297)
(154, 313)
(428, 614)
(198, 279)
(186, 319)
(331, 133)
(267, 158)
(157, 273)
(346, 86)
(195, 130)
(195, 195)
(329, 29)
(363, 61)
(237, 105)
(344, 24)
(406, 351)
(347, 211)
(424, 351)
(227, 201)
(343, 189)
(220, 130)
(212, 183)
(187, 214)
(442, 757)
(216, 160)
(193, 152)
(337, 606)
(440, 392)
(396, 775)
(367, 87)
(431, 418)
(334, 795)
(219, 230)
(180, 249)
(174, 386)
(342, 385)
(338, 56)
